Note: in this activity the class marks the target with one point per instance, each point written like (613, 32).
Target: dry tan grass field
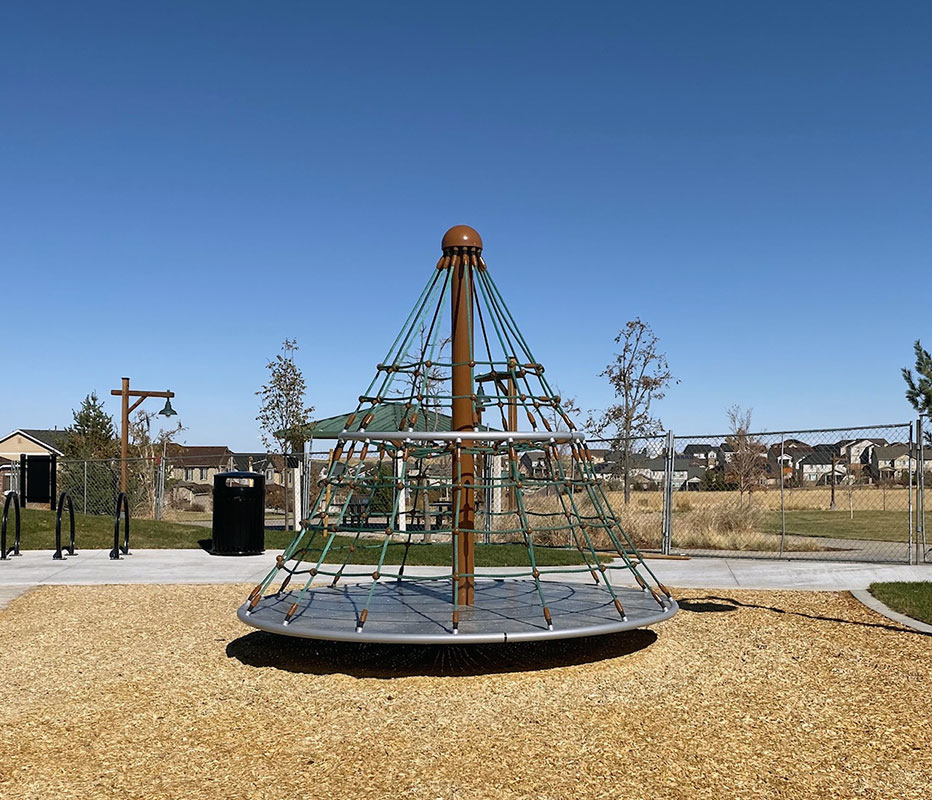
(863, 497)
(159, 692)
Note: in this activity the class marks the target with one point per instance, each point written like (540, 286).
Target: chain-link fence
(853, 494)
(639, 500)
(94, 484)
(180, 488)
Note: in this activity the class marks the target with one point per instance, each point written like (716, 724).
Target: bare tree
(748, 463)
(639, 375)
(282, 413)
(425, 384)
(148, 449)
(570, 409)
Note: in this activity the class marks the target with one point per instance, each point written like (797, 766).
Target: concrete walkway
(89, 567)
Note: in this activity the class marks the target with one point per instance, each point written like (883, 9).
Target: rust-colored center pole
(461, 248)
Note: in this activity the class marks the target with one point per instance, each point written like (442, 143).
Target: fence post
(296, 491)
(909, 500)
(921, 499)
(782, 498)
(663, 506)
(160, 488)
(84, 507)
(666, 542)
(306, 482)
(53, 469)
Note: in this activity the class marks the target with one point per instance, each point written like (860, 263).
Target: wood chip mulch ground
(160, 692)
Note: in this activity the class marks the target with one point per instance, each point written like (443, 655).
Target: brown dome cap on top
(461, 236)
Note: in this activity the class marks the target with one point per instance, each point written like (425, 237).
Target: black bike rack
(62, 499)
(13, 498)
(117, 549)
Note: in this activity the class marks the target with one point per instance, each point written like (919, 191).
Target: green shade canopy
(386, 417)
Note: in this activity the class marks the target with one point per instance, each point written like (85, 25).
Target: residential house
(28, 441)
(272, 465)
(782, 458)
(705, 454)
(6, 475)
(649, 473)
(33, 441)
(196, 464)
(819, 467)
(534, 464)
(892, 462)
(191, 496)
(858, 451)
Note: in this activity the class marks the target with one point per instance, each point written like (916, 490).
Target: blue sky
(186, 184)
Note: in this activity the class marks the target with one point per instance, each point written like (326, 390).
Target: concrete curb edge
(867, 599)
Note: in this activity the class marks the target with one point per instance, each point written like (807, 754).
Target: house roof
(198, 455)
(695, 473)
(616, 455)
(891, 451)
(54, 439)
(693, 449)
(259, 462)
(820, 457)
(658, 464)
(848, 442)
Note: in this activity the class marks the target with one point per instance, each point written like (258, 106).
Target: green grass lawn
(96, 533)
(912, 599)
(885, 526)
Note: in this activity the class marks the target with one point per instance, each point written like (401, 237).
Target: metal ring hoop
(12, 497)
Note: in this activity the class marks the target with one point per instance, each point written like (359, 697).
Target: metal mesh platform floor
(409, 612)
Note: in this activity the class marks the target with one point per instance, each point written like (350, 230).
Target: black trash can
(239, 514)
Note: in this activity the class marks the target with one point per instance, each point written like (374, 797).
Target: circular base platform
(406, 612)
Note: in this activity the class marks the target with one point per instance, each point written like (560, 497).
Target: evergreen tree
(92, 434)
(919, 388)
(90, 480)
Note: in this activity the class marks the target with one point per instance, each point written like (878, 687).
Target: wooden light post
(126, 394)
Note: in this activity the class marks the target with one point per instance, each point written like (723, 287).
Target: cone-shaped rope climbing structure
(432, 469)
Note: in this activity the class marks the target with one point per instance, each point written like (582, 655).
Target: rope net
(397, 485)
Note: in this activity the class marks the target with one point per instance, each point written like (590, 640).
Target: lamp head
(168, 411)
